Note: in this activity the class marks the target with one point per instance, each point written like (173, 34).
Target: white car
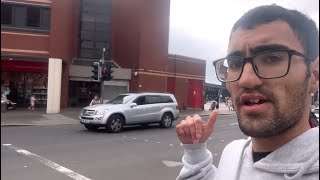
(131, 109)
(316, 113)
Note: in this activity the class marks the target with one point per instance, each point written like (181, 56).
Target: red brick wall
(64, 38)
(24, 43)
(154, 34)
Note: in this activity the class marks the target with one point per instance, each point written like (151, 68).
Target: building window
(6, 14)
(33, 17)
(26, 17)
(95, 29)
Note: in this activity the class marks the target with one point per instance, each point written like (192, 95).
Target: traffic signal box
(96, 71)
(107, 72)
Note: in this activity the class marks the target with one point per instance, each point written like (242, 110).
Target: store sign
(24, 66)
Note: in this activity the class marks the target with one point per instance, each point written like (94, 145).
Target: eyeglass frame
(291, 52)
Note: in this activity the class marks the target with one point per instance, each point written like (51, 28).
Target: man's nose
(249, 79)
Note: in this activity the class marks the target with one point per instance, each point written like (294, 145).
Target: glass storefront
(23, 84)
(216, 93)
(81, 93)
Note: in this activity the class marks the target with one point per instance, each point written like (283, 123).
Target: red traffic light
(104, 71)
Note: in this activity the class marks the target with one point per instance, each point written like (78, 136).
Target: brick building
(134, 33)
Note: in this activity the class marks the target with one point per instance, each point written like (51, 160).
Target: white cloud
(201, 28)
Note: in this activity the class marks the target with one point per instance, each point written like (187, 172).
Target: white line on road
(228, 124)
(48, 163)
(172, 163)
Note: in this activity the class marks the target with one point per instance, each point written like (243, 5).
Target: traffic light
(96, 71)
(107, 72)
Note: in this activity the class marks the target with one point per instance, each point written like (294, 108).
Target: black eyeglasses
(266, 65)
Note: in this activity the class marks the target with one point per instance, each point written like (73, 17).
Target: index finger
(212, 119)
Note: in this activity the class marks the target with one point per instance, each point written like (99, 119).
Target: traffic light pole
(102, 62)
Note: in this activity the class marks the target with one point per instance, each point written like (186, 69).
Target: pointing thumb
(212, 119)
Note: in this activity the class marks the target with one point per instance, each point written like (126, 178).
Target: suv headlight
(100, 112)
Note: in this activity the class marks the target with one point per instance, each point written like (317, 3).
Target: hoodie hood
(297, 157)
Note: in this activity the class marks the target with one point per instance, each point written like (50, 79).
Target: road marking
(222, 125)
(222, 140)
(48, 163)
(233, 124)
(134, 138)
(146, 140)
(172, 163)
(210, 138)
(158, 142)
(171, 145)
(216, 154)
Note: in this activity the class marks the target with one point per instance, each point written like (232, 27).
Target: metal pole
(101, 82)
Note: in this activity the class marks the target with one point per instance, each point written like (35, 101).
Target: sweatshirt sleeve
(197, 163)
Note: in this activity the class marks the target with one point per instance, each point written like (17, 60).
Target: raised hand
(193, 130)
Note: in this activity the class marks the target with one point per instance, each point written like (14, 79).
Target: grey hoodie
(297, 159)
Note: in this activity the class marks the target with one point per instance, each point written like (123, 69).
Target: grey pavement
(25, 117)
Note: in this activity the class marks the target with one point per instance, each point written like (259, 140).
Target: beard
(281, 119)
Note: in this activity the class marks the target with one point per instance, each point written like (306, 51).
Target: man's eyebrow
(235, 53)
(263, 48)
(260, 49)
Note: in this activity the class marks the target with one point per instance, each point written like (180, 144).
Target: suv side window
(152, 99)
(166, 99)
(140, 100)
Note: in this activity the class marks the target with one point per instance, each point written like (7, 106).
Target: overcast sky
(201, 28)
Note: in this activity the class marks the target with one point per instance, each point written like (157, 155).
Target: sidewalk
(38, 117)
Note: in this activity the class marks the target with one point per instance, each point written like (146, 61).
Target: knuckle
(198, 120)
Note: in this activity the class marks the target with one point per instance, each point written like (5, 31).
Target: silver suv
(131, 109)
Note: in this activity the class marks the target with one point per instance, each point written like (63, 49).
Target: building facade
(134, 34)
(32, 32)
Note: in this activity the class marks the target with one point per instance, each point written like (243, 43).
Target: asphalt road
(71, 152)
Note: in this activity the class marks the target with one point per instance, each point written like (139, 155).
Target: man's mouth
(252, 102)
(252, 99)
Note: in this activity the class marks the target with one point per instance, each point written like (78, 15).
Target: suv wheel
(115, 124)
(166, 120)
(91, 128)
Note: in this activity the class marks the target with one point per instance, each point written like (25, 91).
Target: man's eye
(273, 59)
(235, 63)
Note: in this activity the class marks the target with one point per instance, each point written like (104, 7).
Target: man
(213, 105)
(271, 69)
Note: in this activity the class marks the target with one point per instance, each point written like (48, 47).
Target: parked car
(131, 109)
(316, 113)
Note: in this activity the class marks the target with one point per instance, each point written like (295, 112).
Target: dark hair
(304, 27)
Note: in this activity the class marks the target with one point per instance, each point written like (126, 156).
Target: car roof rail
(164, 92)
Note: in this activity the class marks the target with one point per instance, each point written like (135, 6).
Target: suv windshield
(120, 99)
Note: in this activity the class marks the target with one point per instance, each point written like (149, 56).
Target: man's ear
(314, 69)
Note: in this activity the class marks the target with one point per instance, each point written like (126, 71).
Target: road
(67, 152)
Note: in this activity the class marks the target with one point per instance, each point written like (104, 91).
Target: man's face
(267, 107)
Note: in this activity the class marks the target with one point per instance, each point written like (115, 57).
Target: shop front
(23, 79)
(82, 92)
(216, 92)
